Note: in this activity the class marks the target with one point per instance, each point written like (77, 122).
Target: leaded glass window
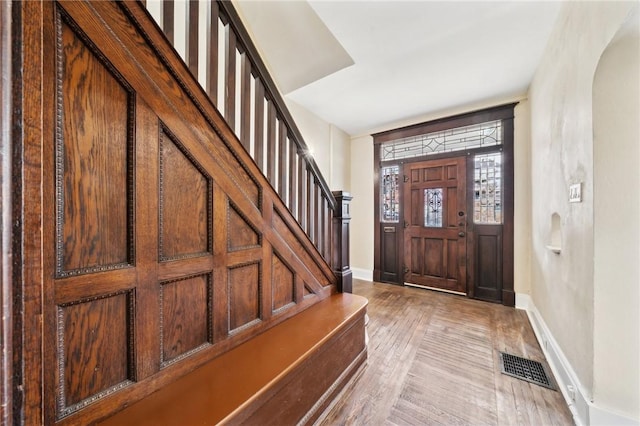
(433, 207)
(457, 139)
(487, 182)
(389, 193)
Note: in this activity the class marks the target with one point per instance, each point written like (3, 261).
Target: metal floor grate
(525, 369)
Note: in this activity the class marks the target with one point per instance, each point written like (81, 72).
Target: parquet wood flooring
(434, 360)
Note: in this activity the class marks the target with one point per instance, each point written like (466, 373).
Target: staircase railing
(239, 85)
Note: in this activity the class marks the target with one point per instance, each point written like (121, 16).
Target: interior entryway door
(435, 221)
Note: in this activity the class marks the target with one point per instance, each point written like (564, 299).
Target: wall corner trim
(584, 411)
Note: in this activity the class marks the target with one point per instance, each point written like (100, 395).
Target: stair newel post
(340, 247)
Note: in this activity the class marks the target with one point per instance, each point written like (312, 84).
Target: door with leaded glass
(435, 222)
(444, 199)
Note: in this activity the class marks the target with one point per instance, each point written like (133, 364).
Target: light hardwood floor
(434, 359)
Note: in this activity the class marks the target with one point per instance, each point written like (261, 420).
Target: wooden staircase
(161, 241)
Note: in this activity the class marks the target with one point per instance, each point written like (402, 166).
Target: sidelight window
(389, 194)
(487, 183)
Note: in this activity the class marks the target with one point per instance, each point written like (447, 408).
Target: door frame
(391, 270)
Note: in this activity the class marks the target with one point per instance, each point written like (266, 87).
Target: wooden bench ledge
(233, 386)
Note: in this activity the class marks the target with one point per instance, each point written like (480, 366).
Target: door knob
(461, 234)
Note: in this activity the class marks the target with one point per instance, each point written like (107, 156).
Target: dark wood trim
(311, 205)
(258, 140)
(6, 213)
(283, 170)
(271, 143)
(293, 182)
(230, 80)
(192, 17)
(470, 231)
(32, 95)
(377, 250)
(316, 217)
(327, 223)
(245, 101)
(341, 261)
(168, 17)
(508, 293)
(302, 193)
(212, 52)
(16, 47)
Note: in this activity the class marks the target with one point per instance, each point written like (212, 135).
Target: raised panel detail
(186, 313)
(244, 296)
(433, 260)
(240, 234)
(433, 173)
(185, 202)
(95, 349)
(280, 226)
(417, 214)
(389, 253)
(307, 291)
(451, 212)
(94, 149)
(452, 172)
(282, 285)
(488, 255)
(416, 259)
(452, 253)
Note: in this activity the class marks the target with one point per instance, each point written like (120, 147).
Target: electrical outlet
(572, 393)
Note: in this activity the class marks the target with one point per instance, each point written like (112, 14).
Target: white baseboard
(600, 417)
(584, 411)
(362, 274)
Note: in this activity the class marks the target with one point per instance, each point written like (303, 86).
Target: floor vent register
(525, 369)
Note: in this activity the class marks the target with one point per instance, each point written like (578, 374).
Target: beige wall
(362, 179)
(522, 198)
(340, 160)
(562, 154)
(616, 153)
(329, 146)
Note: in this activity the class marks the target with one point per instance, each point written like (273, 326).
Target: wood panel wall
(162, 243)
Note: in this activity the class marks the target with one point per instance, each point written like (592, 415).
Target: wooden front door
(435, 221)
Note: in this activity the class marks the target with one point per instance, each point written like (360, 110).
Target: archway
(616, 154)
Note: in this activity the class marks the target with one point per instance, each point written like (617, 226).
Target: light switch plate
(575, 193)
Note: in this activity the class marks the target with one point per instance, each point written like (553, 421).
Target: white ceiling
(363, 64)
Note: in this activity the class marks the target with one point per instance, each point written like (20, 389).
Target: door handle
(461, 234)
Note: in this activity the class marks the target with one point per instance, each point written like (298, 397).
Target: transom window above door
(457, 139)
